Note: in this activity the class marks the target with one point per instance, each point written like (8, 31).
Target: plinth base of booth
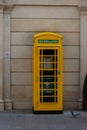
(48, 112)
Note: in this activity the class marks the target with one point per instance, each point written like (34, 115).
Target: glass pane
(47, 59)
(48, 85)
(48, 52)
(48, 99)
(48, 63)
(48, 79)
(48, 72)
(48, 92)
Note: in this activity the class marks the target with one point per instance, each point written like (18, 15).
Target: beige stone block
(46, 2)
(8, 104)
(6, 34)
(83, 2)
(1, 105)
(21, 78)
(21, 65)
(83, 51)
(71, 93)
(71, 79)
(1, 71)
(1, 78)
(1, 65)
(80, 104)
(1, 88)
(71, 105)
(1, 34)
(1, 59)
(26, 38)
(18, 92)
(21, 51)
(22, 104)
(6, 55)
(66, 25)
(45, 12)
(71, 65)
(71, 39)
(21, 92)
(29, 92)
(6, 76)
(71, 52)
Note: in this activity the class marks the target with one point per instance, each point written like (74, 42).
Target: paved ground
(24, 120)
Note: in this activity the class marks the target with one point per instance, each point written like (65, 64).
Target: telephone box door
(49, 91)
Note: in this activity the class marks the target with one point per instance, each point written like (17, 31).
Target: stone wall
(39, 16)
(19, 21)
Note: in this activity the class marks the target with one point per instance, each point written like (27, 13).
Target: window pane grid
(48, 75)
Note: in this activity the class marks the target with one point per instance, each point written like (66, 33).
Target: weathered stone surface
(1, 60)
(83, 50)
(46, 2)
(26, 38)
(71, 52)
(25, 25)
(70, 105)
(21, 78)
(71, 79)
(45, 12)
(27, 21)
(21, 92)
(71, 93)
(71, 65)
(22, 104)
(21, 51)
(21, 65)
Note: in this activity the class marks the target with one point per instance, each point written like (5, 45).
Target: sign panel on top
(48, 41)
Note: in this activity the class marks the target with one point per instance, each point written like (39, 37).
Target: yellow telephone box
(47, 73)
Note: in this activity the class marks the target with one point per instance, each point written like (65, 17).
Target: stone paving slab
(21, 120)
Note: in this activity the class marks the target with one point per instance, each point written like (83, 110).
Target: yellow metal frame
(47, 41)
